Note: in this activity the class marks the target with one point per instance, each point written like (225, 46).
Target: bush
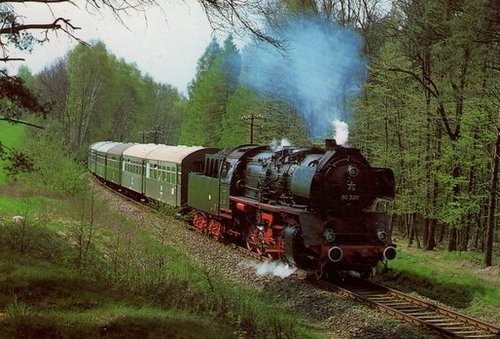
(55, 166)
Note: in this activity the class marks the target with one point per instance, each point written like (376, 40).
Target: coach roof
(120, 148)
(98, 144)
(107, 146)
(140, 150)
(174, 154)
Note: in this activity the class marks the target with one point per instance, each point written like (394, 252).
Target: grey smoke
(322, 70)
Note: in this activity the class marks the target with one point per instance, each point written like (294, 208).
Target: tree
(490, 227)
(88, 73)
(427, 112)
(439, 38)
(17, 99)
(274, 120)
(216, 80)
(52, 84)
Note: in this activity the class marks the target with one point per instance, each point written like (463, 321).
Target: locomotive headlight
(382, 235)
(329, 235)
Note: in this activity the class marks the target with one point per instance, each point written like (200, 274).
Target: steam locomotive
(308, 206)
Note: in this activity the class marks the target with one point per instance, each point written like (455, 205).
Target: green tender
(203, 193)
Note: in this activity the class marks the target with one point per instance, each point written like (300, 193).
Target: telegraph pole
(252, 117)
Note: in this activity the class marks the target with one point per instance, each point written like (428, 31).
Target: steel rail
(418, 312)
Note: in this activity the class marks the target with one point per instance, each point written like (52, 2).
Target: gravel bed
(332, 313)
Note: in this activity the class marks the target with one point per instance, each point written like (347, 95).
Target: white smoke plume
(341, 132)
(277, 145)
(276, 269)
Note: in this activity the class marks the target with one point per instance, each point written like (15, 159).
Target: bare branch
(436, 94)
(15, 121)
(239, 14)
(37, 1)
(7, 59)
(433, 90)
(54, 25)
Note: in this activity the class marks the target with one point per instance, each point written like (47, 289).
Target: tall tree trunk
(426, 67)
(490, 226)
(431, 237)
(453, 234)
(441, 233)
(464, 237)
(430, 241)
(452, 239)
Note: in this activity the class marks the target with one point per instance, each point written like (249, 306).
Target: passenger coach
(159, 172)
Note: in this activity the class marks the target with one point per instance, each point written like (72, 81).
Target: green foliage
(129, 284)
(215, 81)
(429, 110)
(96, 96)
(88, 75)
(11, 137)
(219, 106)
(56, 168)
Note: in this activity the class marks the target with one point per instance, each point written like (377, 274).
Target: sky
(164, 44)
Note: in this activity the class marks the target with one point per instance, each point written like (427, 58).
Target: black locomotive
(309, 206)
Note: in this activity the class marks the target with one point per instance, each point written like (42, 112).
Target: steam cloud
(277, 145)
(274, 268)
(341, 132)
(322, 70)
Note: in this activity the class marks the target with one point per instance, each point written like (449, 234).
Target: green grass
(454, 278)
(44, 300)
(11, 136)
(127, 283)
(23, 205)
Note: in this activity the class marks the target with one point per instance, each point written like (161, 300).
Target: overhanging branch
(15, 121)
(54, 25)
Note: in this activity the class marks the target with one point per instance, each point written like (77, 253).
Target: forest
(419, 90)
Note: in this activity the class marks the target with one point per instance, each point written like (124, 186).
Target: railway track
(433, 317)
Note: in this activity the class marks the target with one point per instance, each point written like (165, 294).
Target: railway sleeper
(436, 321)
(409, 309)
(393, 304)
(466, 332)
(419, 314)
(374, 295)
(383, 299)
(456, 326)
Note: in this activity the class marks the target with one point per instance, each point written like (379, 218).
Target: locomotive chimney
(330, 144)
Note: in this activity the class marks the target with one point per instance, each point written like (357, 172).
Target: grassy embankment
(10, 135)
(75, 268)
(458, 279)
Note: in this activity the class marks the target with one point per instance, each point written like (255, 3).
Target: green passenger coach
(133, 166)
(114, 162)
(155, 171)
(92, 160)
(167, 170)
(102, 158)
